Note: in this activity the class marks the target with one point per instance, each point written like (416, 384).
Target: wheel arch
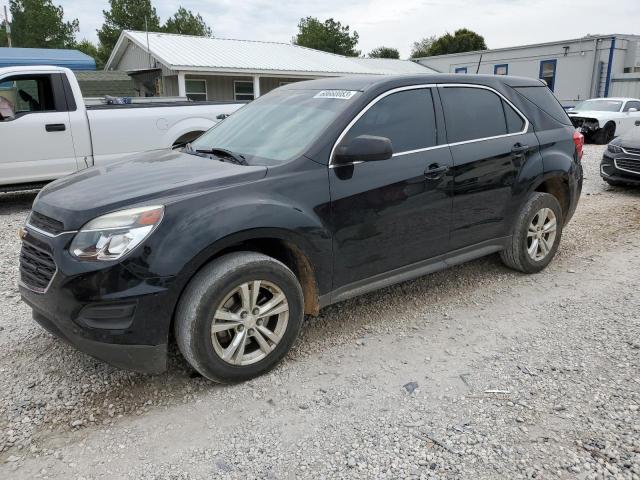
(558, 186)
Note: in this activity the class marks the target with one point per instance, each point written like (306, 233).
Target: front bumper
(620, 167)
(113, 311)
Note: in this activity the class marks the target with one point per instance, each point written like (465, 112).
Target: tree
(463, 40)
(384, 52)
(422, 47)
(186, 23)
(85, 46)
(330, 36)
(125, 15)
(40, 24)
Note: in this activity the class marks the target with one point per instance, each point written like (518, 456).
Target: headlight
(614, 148)
(112, 236)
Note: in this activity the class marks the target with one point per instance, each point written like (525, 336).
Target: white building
(592, 66)
(204, 68)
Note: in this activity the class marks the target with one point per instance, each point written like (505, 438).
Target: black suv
(311, 194)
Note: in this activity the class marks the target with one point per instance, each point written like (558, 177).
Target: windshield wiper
(223, 153)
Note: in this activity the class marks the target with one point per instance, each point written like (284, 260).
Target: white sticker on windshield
(340, 94)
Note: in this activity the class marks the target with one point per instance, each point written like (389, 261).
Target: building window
(461, 70)
(548, 72)
(502, 69)
(242, 90)
(196, 89)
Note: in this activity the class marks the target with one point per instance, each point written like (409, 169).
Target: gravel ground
(475, 372)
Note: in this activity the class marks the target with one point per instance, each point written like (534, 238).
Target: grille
(48, 224)
(633, 151)
(37, 267)
(628, 165)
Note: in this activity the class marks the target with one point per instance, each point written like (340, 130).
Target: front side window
(629, 105)
(407, 118)
(476, 113)
(196, 89)
(243, 90)
(24, 94)
(548, 73)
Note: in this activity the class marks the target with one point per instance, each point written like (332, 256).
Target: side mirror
(365, 148)
(632, 110)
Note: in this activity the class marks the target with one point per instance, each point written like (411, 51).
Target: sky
(394, 23)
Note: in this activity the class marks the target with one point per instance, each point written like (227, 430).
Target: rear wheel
(536, 234)
(239, 316)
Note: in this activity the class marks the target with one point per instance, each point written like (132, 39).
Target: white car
(602, 119)
(47, 130)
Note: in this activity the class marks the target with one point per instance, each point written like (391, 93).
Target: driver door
(36, 142)
(631, 118)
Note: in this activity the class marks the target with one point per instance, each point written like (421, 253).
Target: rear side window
(545, 100)
(473, 113)
(406, 118)
(515, 123)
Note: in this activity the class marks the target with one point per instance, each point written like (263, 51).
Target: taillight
(578, 139)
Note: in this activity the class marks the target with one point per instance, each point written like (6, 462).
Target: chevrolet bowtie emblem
(22, 233)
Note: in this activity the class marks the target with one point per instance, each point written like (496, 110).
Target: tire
(605, 134)
(209, 301)
(517, 254)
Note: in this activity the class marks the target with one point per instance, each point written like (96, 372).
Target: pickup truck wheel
(605, 134)
(536, 234)
(239, 316)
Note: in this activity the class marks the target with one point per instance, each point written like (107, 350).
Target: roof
(73, 59)
(191, 53)
(586, 38)
(367, 82)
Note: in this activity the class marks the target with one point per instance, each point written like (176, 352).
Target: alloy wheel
(541, 234)
(249, 322)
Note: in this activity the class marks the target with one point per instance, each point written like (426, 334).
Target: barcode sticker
(339, 94)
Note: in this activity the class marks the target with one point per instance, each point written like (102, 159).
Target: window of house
(406, 118)
(472, 113)
(461, 70)
(501, 69)
(243, 90)
(548, 72)
(196, 89)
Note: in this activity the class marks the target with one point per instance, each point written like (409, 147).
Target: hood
(630, 139)
(591, 113)
(148, 178)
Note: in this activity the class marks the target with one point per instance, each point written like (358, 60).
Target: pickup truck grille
(37, 267)
(628, 165)
(46, 224)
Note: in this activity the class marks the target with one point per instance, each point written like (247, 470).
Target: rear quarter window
(542, 98)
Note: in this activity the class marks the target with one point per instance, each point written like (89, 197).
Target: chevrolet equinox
(314, 193)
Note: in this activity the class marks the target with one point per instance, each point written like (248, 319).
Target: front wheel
(605, 134)
(536, 234)
(239, 316)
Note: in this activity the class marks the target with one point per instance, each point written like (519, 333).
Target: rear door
(392, 213)
(490, 145)
(37, 144)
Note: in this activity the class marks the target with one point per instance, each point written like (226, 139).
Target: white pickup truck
(602, 119)
(48, 131)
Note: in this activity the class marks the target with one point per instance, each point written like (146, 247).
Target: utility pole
(7, 26)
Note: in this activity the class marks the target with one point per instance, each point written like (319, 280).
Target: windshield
(277, 127)
(599, 105)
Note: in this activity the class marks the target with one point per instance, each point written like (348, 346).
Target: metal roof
(73, 59)
(190, 53)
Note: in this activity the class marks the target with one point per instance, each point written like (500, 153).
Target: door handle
(435, 171)
(55, 127)
(519, 149)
